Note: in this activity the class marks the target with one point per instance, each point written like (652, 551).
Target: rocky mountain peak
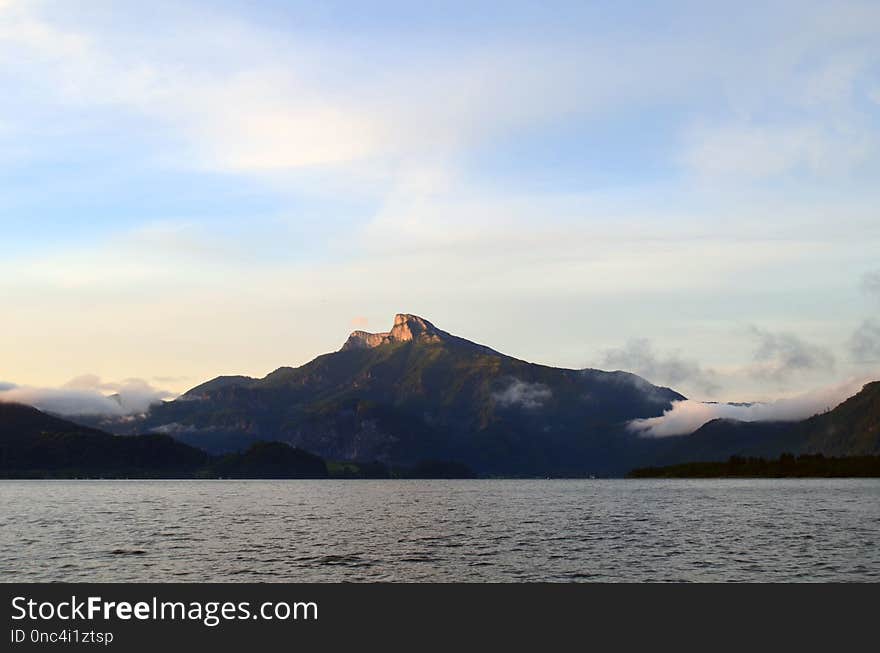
(406, 328)
(412, 327)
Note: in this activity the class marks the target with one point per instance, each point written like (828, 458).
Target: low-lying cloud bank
(687, 416)
(87, 396)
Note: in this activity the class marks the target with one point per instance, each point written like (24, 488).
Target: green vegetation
(269, 460)
(850, 429)
(36, 445)
(350, 469)
(411, 402)
(786, 466)
(425, 469)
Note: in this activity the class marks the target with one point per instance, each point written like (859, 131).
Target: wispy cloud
(864, 344)
(799, 109)
(871, 284)
(639, 356)
(779, 356)
(514, 175)
(757, 151)
(264, 104)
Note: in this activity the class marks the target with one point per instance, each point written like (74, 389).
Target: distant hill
(19, 423)
(418, 393)
(850, 429)
(722, 438)
(36, 445)
(203, 390)
(270, 460)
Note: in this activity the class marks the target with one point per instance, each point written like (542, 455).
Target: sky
(685, 190)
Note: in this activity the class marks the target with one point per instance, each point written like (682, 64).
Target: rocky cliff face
(365, 340)
(407, 328)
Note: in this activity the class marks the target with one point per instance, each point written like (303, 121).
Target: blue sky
(684, 189)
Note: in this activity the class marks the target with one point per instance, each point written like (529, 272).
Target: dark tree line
(786, 466)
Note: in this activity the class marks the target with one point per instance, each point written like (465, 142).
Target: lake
(408, 530)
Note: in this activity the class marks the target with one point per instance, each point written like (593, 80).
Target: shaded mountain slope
(850, 429)
(36, 445)
(418, 393)
(722, 438)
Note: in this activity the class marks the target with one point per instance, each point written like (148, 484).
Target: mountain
(414, 401)
(21, 424)
(723, 438)
(417, 393)
(220, 382)
(850, 429)
(33, 444)
(36, 445)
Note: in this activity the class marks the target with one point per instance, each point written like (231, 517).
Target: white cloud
(235, 96)
(521, 393)
(261, 104)
(687, 416)
(191, 306)
(794, 106)
(86, 395)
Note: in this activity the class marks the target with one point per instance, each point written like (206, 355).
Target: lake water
(486, 530)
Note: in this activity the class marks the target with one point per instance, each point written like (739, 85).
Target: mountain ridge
(34, 444)
(408, 328)
(417, 392)
(851, 428)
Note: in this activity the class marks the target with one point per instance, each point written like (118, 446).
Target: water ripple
(361, 531)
